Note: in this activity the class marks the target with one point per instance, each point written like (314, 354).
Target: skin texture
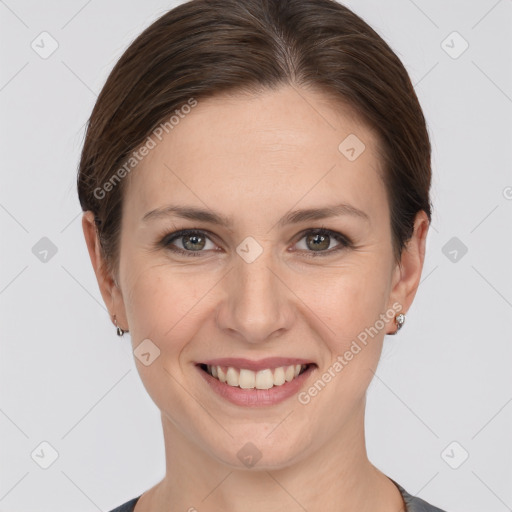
(254, 158)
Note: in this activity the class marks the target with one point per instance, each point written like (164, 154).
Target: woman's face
(262, 285)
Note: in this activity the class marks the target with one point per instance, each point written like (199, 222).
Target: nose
(258, 304)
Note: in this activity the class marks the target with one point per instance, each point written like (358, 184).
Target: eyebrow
(294, 217)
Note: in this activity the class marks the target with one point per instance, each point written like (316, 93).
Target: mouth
(263, 378)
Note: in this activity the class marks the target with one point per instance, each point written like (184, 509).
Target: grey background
(68, 380)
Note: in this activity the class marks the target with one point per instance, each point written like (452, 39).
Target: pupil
(319, 241)
(194, 239)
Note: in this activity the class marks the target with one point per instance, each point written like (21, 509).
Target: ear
(110, 291)
(407, 274)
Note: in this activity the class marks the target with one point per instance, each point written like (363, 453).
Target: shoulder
(126, 507)
(415, 504)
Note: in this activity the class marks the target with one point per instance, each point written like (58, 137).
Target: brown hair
(202, 48)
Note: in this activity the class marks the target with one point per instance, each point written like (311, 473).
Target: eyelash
(344, 241)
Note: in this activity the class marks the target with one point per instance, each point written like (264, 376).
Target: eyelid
(175, 235)
(344, 241)
(322, 230)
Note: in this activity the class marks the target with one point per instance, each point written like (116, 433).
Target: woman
(255, 180)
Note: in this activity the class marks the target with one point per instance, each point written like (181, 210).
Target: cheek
(351, 297)
(352, 307)
(164, 305)
(160, 309)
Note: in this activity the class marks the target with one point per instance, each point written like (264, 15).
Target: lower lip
(256, 397)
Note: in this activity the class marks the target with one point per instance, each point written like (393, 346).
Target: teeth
(263, 379)
(279, 378)
(232, 377)
(221, 375)
(245, 380)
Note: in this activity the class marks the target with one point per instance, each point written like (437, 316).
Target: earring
(399, 319)
(120, 332)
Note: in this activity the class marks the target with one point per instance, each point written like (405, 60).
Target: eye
(190, 242)
(317, 241)
(193, 242)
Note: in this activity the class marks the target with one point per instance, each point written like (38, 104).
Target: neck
(337, 477)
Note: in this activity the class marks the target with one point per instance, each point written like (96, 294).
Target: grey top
(412, 503)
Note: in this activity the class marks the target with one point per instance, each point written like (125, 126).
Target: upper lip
(260, 364)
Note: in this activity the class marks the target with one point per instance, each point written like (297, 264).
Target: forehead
(261, 152)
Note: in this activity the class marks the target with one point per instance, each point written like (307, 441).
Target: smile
(266, 382)
(249, 379)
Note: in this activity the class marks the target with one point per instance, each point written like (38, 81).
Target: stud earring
(399, 319)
